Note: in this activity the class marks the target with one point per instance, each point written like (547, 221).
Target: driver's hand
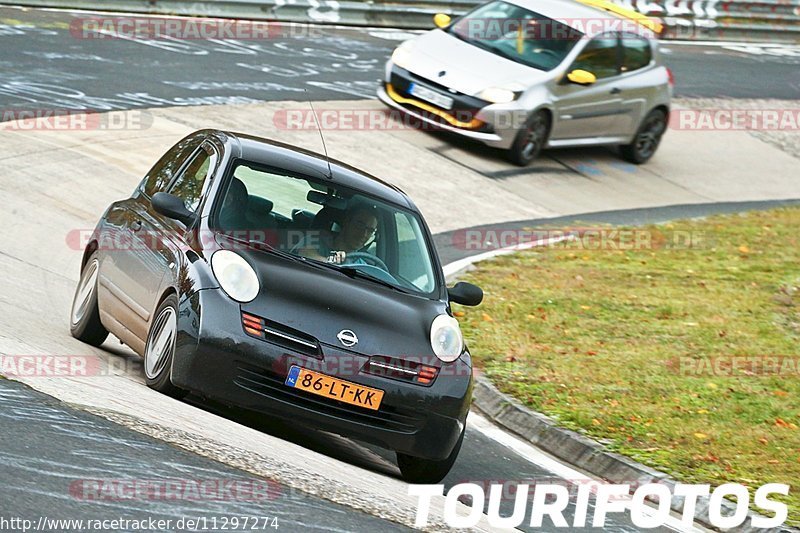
(337, 257)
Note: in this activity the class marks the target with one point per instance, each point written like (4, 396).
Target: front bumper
(216, 359)
(493, 118)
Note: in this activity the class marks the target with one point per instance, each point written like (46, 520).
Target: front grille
(462, 111)
(402, 79)
(271, 386)
(283, 336)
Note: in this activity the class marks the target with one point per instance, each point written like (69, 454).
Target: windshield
(329, 225)
(517, 34)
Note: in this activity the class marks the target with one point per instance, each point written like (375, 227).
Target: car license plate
(330, 387)
(445, 102)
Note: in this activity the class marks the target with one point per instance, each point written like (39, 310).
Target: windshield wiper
(266, 247)
(354, 272)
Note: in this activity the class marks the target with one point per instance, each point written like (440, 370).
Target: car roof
(564, 10)
(305, 162)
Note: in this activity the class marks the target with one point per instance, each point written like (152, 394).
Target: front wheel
(426, 471)
(530, 139)
(84, 322)
(160, 349)
(647, 139)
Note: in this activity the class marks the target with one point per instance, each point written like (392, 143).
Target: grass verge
(683, 358)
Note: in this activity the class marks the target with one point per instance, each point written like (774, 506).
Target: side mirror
(173, 207)
(581, 77)
(465, 294)
(441, 20)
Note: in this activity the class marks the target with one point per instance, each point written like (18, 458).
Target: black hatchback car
(271, 278)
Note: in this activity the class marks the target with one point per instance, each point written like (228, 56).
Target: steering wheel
(368, 257)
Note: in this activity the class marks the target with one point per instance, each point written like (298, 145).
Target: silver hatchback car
(522, 75)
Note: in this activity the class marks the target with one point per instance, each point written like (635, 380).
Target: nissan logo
(347, 337)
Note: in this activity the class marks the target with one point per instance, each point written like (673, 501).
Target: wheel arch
(661, 107)
(550, 116)
(169, 291)
(87, 253)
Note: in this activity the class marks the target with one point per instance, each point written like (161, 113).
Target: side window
(189, 185)
(411, 246)
(160, 176)
(285, 195)
(636, 52)
(600, 57)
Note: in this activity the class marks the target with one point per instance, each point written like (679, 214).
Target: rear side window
(636, 52)
(600, 57)
(161, 175)
(411, 246)
(189, 185)
(284, 194)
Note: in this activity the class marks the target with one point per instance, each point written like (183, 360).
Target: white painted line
(451, 268)
(397, 35)
(561, 470)
(669, 42)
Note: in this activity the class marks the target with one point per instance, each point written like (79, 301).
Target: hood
(321, 302)
(469, 69)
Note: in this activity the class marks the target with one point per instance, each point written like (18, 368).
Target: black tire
(426, 471)
(159, 349)
(530, 140)
(647, 138)
(84, 323)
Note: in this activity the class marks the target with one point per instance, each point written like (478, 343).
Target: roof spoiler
(628, 13)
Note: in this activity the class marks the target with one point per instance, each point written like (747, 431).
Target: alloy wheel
(161, 343)
(83, 296)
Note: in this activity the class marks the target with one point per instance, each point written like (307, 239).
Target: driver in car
(358, 229)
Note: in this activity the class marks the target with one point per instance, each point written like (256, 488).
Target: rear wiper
(354, 272)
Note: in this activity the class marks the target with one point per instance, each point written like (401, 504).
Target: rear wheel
(530, 140)
(160, 349)
(84, 322)
(647, 139)
(426, 471)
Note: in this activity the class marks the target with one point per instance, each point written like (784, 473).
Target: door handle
(615, 90)
(136, 226)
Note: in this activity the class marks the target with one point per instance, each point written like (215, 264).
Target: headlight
(498, 95)
(235, 275)
(446, 339)
(402, 55)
